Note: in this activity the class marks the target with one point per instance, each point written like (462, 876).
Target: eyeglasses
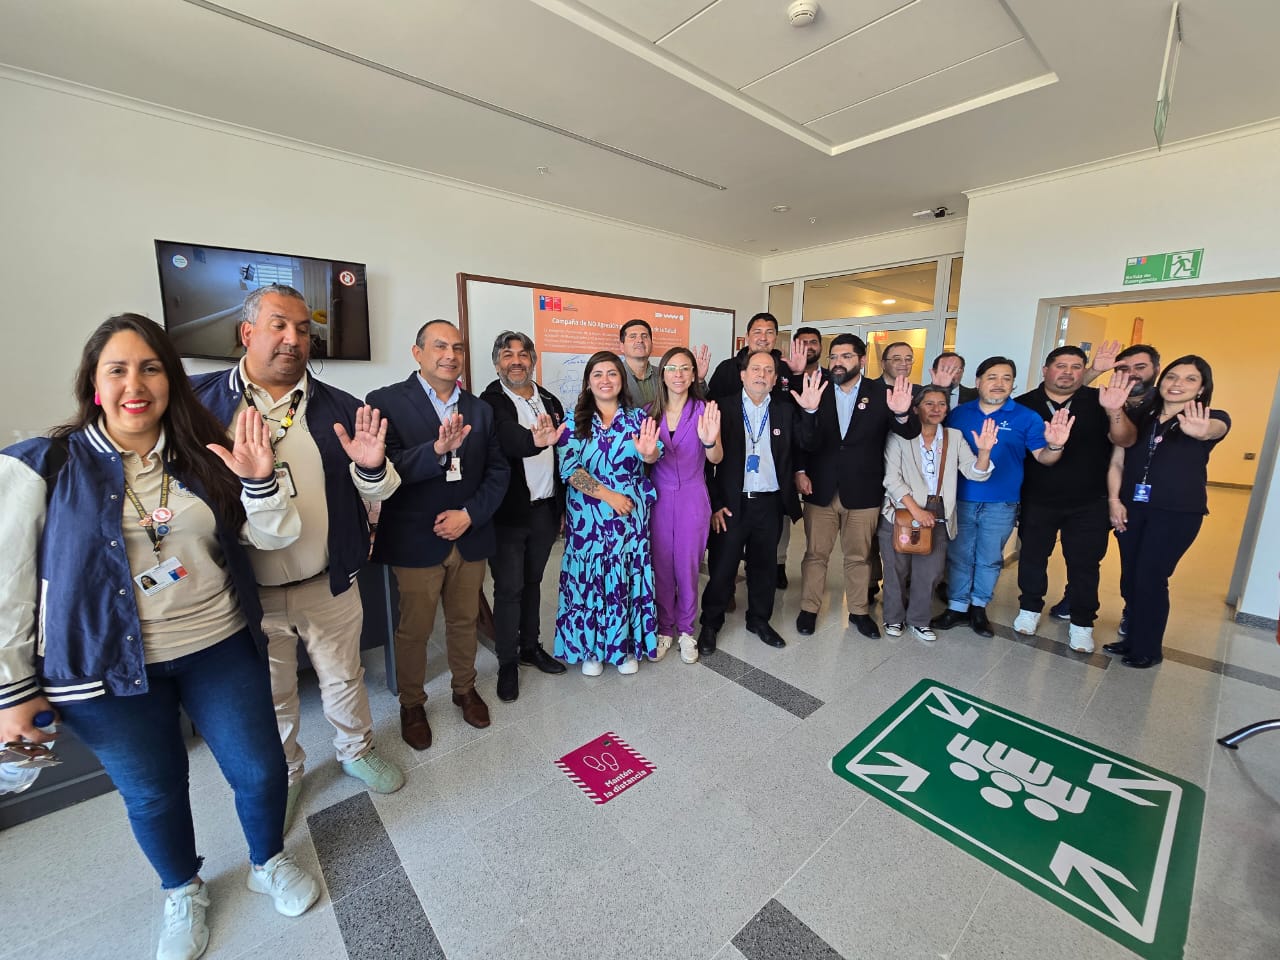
(930, 461)
(677, 368)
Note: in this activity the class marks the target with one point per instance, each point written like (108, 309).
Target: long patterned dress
(606, 610)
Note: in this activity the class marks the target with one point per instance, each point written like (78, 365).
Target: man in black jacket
(436, 532)
(751, 489)
(528, 421)
(842, 480)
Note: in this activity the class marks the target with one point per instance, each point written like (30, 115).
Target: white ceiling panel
(738, 41)
(918, 40)
(523, 56)
(988, 72)
(652, 19)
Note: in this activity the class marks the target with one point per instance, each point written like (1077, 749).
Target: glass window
(949, 335)
(780, 297)
(914, 339)
(953, 289)
(871, 293)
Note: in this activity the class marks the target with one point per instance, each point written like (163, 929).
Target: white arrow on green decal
(1100, 777)
(912, 776)
(1092, 871)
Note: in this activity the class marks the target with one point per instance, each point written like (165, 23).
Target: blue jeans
(976, 556)
(226, 690)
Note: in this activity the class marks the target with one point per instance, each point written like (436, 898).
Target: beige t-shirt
(198, 610)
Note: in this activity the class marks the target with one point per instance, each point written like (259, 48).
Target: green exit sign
(1159, 267)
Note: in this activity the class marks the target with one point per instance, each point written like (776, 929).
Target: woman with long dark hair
(1159, 499)
(689, 429)
(128, 595)
(606, 612)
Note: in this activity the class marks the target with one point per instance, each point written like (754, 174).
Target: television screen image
(202, 288)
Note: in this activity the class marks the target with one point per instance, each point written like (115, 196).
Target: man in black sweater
(528, 421)
(1070, 497)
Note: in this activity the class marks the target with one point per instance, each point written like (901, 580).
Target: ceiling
(690, 116)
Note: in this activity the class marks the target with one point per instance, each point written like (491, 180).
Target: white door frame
(1048, 323)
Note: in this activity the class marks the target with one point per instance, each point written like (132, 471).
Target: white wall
(900, 246)
(91, 180)
(1069, 236)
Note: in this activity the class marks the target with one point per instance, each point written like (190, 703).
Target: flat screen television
(202, 288)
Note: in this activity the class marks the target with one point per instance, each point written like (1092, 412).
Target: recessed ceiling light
(813, 219)
(890, 302)
(544, 170)
(781, 208)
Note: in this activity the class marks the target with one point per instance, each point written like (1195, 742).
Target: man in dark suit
(528, 420)
(437, 530)
(842, 480)
(751, 489)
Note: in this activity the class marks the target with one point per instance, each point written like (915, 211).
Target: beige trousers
(329, 628)
(856, 529)
(457, 582)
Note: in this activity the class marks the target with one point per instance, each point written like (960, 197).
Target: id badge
(753, 463)
(284, 477)
(161, 577)
(455, 469)
(1142, 493)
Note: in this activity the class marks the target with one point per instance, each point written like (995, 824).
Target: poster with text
(569, 327)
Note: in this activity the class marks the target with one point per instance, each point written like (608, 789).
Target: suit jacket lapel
(422, 404)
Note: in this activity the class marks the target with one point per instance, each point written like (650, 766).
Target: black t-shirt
(1175, 466)
(1080, 474)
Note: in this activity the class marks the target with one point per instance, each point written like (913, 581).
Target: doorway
(923, 334)
(1233, 333)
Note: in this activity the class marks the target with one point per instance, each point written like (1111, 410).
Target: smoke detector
(802, 13)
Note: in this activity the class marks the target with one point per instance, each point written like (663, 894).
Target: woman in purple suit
(689, 428)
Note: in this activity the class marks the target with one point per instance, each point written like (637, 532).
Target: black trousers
(1084, 529)
(1150, 547)
(517, 580)
(754, 527)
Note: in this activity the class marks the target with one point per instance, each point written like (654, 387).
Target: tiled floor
(742, 844)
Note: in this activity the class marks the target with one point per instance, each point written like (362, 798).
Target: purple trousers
(679, 525)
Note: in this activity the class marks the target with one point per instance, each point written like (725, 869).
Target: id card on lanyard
(1142, 489)
(753, 458)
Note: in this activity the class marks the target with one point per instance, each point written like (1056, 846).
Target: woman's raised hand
(987, 437)
(647, 440)
(709, 424)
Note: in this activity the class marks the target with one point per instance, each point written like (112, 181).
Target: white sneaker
(688, 648)
(924, 634)
(592, 668)
(184, 934)
(1080, 639)
(292, 888)
(1026, 622)
(893, 629)
(629, 666)
(664, 644)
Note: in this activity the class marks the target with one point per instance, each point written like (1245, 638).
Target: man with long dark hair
(528, 420)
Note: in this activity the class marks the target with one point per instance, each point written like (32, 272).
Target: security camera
(937, 213)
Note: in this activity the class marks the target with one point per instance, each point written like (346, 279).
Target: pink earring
(97, 400)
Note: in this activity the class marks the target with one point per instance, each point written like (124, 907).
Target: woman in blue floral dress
(606, 612)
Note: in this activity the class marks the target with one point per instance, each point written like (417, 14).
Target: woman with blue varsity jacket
(125, 594)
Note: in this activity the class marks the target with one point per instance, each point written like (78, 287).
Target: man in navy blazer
(436, 532)
(843, 480)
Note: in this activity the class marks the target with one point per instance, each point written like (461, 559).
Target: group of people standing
(174, 543)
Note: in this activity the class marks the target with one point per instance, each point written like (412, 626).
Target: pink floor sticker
(605, 767)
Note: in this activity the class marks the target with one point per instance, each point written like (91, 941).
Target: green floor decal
(1111, 841)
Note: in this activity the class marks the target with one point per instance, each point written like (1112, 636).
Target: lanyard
(285, 422)
(764, 422)
(1154, 441)
(156, 523)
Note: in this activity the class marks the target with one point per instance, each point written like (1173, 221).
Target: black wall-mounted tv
(203, 287)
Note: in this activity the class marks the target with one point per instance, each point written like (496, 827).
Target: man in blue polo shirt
(986, 511)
